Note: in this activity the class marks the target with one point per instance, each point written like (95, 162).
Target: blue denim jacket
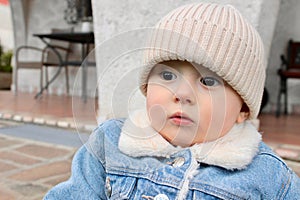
(101, 171)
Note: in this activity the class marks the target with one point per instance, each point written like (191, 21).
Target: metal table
(83, 38)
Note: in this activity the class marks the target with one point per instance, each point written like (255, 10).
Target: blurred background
(62, 74)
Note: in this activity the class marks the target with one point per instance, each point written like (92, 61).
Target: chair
(290, 68)
(47, 58)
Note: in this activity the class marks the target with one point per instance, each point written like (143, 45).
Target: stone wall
(113, 20)
(35, 16)
(287, 27)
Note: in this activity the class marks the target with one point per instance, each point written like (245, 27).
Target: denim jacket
(101, 170)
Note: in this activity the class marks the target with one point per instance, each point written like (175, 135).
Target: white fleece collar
(235, 150)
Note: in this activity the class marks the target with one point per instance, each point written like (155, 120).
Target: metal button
(161, 197)
(157, 197)
(108, 187)
(178, 162)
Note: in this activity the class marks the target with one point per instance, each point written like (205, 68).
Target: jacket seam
(286, 188)
(149, 178)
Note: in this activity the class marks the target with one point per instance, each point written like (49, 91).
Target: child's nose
(184, 93)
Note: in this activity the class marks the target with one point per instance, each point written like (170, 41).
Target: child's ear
(244, 114)
(242, 117)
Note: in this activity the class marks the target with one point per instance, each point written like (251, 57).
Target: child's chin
(181, 143)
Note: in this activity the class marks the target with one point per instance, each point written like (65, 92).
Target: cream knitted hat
(217, 37)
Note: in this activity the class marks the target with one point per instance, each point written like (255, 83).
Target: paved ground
(34, 158)
(28, 168)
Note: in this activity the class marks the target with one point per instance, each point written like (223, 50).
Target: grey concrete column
(19, 21)
(287, 28)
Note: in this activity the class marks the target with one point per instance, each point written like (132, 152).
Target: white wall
(116, 17)
(6, 30)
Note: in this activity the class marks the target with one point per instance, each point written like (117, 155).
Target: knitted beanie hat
(217, 37)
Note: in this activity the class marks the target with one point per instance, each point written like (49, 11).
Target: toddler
(203, 79)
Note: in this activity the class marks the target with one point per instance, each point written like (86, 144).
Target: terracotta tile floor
(285, 129)
(58, 107)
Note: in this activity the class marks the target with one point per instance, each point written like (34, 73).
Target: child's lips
(181, 119)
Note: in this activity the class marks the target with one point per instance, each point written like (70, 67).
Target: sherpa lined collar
(235, 150)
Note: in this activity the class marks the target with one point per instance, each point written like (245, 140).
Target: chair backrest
(51, 56)
(293, 55)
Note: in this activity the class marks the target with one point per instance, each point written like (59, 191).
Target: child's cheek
(157, 115)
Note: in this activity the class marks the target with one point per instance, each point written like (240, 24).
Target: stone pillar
(19, 26)
(19, 20)
(287, 28)
(118, 17)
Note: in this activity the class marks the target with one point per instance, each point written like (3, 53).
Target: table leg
(85, 50)
(57, 72)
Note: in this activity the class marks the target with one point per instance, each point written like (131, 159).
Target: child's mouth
(181, 119)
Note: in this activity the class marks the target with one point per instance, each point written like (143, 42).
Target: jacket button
(178, 162)
(108, 187)
(161, 197)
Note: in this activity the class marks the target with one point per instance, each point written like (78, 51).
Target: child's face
(188, 105)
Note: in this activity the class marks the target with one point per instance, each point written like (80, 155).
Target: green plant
(5, 60)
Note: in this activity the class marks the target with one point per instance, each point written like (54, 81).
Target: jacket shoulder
(106, 135)
(267, 177)
(266, 154)
(271, 167)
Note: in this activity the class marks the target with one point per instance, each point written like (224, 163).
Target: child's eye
(168, 76)
(209, 81)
